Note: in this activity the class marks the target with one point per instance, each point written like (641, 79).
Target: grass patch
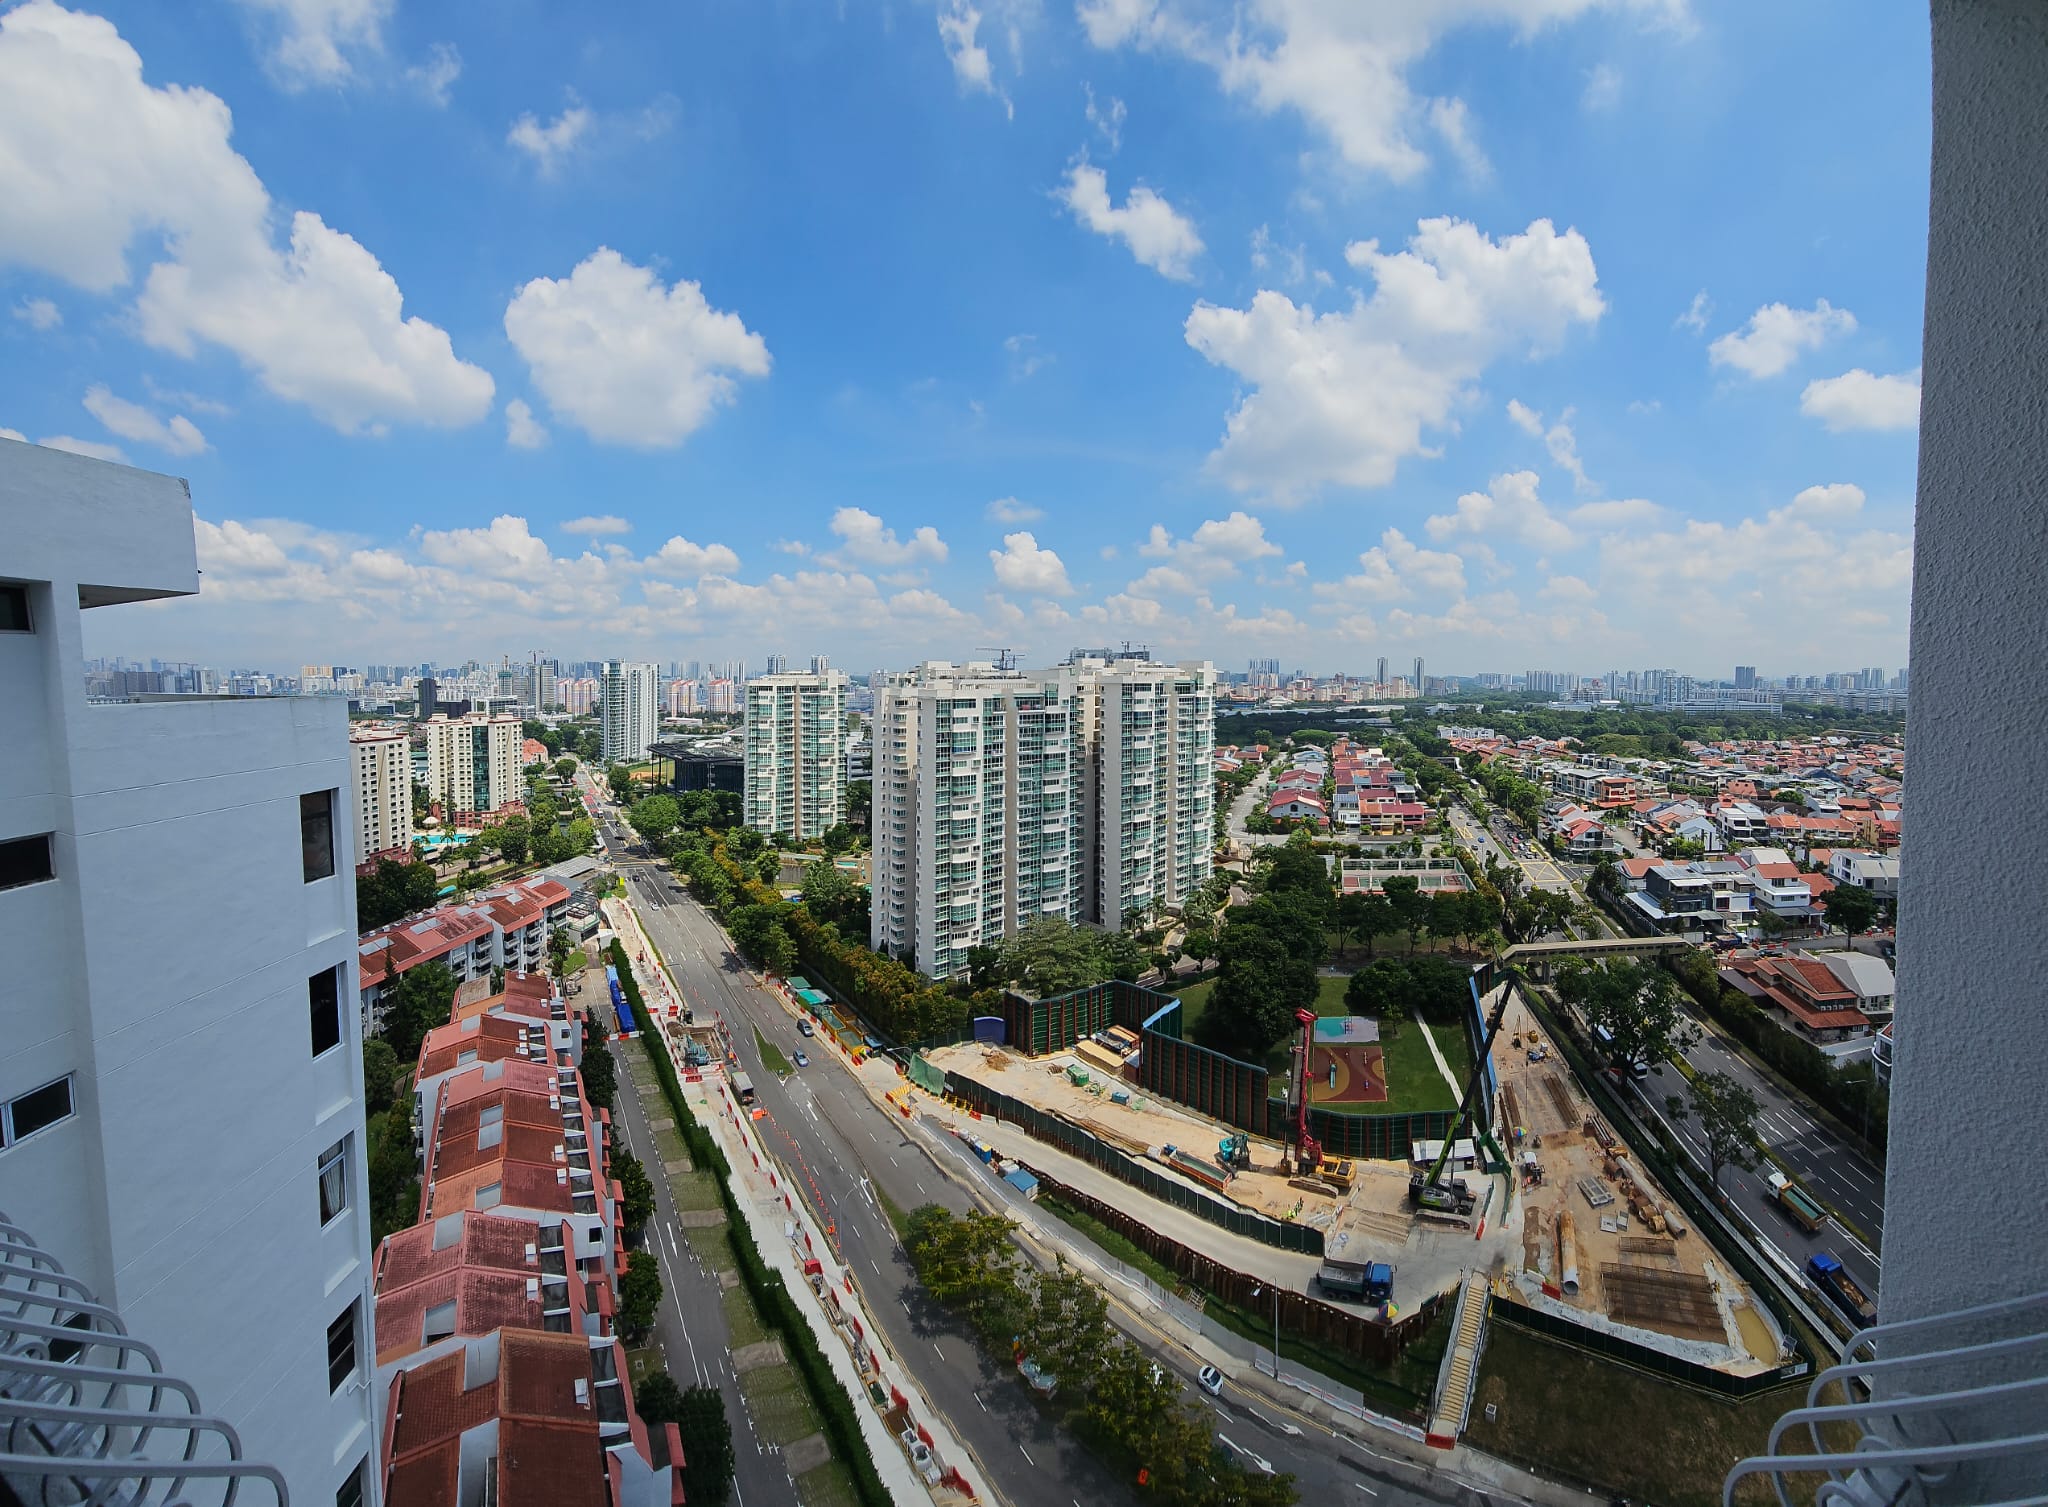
(775, 1396)
(643, 1362)
(1617, 1428)
(742, 1318)
(695, 1190)
(827, 1485)
(1193, 1001)
(1405, 1386)
(771, 1056)
(712, 1247)
(898, 1220)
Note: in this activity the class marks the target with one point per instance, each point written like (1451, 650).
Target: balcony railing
(87, 1415)
(1953, 1409)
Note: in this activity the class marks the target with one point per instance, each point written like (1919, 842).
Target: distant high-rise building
(1381, 678)
(1745, 677)
(778, 664)
(473, 766)
(429, 697)
(539, 691)
(381, 760)
(820, 663)
(177, 910)
(795, 742)
(629, 698)
(1420, 685)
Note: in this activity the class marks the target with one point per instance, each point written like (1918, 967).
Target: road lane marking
(1027, 1457)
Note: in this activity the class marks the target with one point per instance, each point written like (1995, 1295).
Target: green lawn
(1413, 1083)
(771, 1056)
(576, 962)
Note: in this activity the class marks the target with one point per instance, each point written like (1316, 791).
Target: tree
(983, 966)
(639, 1295)
(392, 891)
(559, 948)
(655, 817)
(514, 838)
(1379, 989)
(564, 768)
(657, 1398)
(1052, 956)
(1635, 1003)
(1269, 951)
(1727, 1114)
(581, 836)
(380, 1075)
(422, 1000)
(600, 1075)
(636, 1190)
(839, 838)
(394, 1172)
(768, 867)
(1410, 906)
(707, 1446)
(1850, 907)
(833, 895)
(620, 779)
(860, 801)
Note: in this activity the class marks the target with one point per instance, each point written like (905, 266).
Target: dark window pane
(324, 991)
(14, 609)
(25, 860)
(45, 1106)
(351, 1493)
(341, 1350)
(316, 833)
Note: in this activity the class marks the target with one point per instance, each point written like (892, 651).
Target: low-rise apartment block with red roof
(505, 927)
(1802, 990)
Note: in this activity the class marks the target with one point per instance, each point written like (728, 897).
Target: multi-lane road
(844, 1150)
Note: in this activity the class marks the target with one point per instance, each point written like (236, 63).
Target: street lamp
(1257, 1288)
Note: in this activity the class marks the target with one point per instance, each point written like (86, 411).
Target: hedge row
(771, 1298)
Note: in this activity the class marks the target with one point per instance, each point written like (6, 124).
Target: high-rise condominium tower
(380, 761)
(796, 753)
(473, 766)
(629, 696)
(181, 1092)
(1084, 792)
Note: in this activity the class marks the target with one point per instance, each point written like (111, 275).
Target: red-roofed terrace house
(1804, 991)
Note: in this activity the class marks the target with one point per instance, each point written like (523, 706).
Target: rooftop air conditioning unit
(533, 1289)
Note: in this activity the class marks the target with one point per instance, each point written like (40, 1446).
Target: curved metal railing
(1948, 1408)
(87, 1416)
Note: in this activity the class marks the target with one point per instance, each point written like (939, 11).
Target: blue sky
(1555, 334)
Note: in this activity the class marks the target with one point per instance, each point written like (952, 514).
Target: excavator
(1234, 1153)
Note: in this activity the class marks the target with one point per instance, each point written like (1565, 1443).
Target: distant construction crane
(1006, 657)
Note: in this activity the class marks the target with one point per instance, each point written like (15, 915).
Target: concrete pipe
(1567, 1257)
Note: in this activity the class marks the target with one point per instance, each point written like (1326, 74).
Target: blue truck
(1825, 1271)
(1370, 1282)
(619, 1005)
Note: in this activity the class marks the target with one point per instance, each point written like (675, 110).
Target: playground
(1346, 1065)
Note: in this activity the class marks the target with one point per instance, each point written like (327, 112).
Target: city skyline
(1592, 337)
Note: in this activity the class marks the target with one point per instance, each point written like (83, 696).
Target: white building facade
(181, 1119)
(974, 822)
(795, 748)
(473, 766)
(629, 701)
(1150, 731)
(380, 761)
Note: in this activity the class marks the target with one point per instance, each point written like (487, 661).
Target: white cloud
(506, 547)
(1020, 565)
(91, 157)
(1026, 359)
(1344, 397)
(790, 547)
(1509, 508)
(1839, 499)
(13, 434)
(1526, 419)
(437, 75)
(1342, 65)
(602, 523)
(1010, 510)
(959, 26)
(132, 421)
(1290, 263)
(1696, 314)
(551, 144)
(1776, 336)
(865, 538)
(1218, 547)
(1108, 119)
(1559, 439)
(1452, 121)
(627, 360)
(1158, 235)
(38, 313)
(679, 557)
(1394, 568)
(1569, 589)
(522, 430)
(310, 41)
(93, 448)
(1603, 89)
(1627, 512)
(1863, 400)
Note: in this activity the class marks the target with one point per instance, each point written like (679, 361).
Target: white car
(1211, 1380)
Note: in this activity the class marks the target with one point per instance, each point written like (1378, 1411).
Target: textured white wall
(1972, 961)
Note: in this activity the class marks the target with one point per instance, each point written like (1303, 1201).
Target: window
(341, 1349)
(14, 610)
(25, 860)
(38, 1109)
(351, 1493)
(316, 834)
(334, 1181)
(487, 1196)
(323, 995)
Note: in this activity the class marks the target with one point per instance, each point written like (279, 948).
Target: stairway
(1454, 1386)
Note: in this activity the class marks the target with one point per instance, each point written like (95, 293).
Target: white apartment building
(976, 831)
(629, 702)
(1084, 791)
(795, 745)
(1150, 791)
(380, 760)
(181, 1098)
(473, 766)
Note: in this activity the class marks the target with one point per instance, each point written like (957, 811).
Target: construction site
(1570, 1225)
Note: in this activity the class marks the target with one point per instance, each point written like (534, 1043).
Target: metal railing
(87, 1416)
(1949, 1408)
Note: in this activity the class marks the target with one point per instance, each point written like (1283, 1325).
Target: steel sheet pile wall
(1221, 1087)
